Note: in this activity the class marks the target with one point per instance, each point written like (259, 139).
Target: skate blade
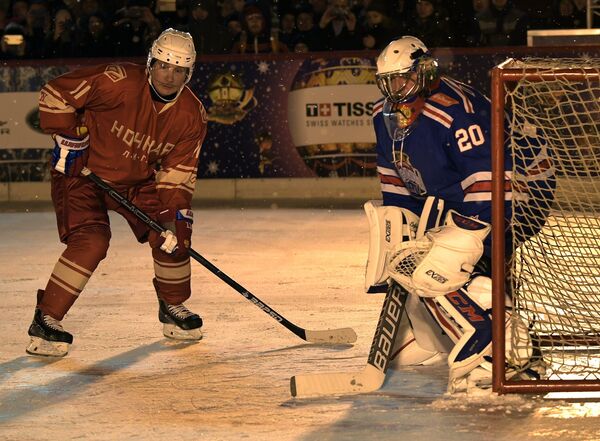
(39, 346)
(176, 333)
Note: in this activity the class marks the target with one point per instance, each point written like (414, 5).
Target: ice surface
(123, 381)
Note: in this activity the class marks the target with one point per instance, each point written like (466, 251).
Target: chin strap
(162, 98)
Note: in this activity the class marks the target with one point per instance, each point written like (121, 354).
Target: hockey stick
(337, 336)
(372, 376)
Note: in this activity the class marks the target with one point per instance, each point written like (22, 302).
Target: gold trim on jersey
(172, 273)
(80, 90)
(51, 101)
(115, 72)
(70, 276)
(180, 177)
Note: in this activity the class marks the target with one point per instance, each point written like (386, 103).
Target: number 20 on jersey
(469, 137)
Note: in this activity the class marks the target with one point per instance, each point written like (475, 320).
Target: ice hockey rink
(123, 381)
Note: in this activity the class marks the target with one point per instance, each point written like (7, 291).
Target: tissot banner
(277, 117)
(19, 121)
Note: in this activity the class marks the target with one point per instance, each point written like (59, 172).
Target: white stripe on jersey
(482, 176)
(485, 196)
(378, 107)
(471, 179)
(460, 91)
(437, 115)
(390, 188)
(387, 171)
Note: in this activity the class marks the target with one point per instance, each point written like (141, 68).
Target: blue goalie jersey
(447, 154)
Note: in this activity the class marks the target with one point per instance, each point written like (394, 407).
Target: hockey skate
(179, 323)
(48, 338)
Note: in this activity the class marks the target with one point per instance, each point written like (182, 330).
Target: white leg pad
(388, 226)
(420, 340)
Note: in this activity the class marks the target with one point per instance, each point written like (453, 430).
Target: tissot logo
(325, 110)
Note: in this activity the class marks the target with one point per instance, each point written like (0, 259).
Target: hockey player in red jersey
(141, 129)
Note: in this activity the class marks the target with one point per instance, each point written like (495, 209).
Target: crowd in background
(37, 29)
(51, 29)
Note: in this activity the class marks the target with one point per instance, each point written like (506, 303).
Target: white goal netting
(554, 272)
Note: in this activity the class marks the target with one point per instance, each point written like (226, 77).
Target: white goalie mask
(173, 47)
(405, 69)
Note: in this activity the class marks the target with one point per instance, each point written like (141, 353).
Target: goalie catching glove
(441, 261)
(70, 152)
(177, 239)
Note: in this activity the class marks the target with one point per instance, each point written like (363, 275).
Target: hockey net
(552, 268)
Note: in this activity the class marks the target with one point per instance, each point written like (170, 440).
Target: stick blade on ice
(337, 383)
(342, 335)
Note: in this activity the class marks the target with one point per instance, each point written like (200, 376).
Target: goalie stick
(372, 376)
(334, 336)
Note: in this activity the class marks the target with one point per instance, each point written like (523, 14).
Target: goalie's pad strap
(388, 225)
(431, 215)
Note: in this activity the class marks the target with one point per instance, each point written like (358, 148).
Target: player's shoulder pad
(115, 72)
(123, 74)
(443, 99)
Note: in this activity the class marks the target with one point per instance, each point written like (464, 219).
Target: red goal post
(554, 276)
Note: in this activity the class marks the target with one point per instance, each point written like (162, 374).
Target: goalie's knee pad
(466, 317)
(420, 340)
(388, 226)
(518, 344)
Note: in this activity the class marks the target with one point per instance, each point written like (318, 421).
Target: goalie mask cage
(553, 275)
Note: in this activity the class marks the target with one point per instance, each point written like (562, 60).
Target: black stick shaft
(300, 332)
(387, 327)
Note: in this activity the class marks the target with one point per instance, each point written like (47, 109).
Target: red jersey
(129, 131)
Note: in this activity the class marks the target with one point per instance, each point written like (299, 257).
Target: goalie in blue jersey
(431, 231)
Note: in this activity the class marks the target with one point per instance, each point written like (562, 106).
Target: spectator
(339, 27)
(462, 25)
(379, 28)
(318, 7)
(210, 36)
(61, 41)
(3, 20)
(581, 13)
(287, 32)
(480, 6)
(19, 12)
(256, 37)
(231, 8)
(565, 16)
(307, 35)
(135, 29)
(400, 13)
(502, 24)
(430, 24)
(38, 27)
(234, 27)
(89, 7)
(473, 36)
(177, 19)
(94, 36)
